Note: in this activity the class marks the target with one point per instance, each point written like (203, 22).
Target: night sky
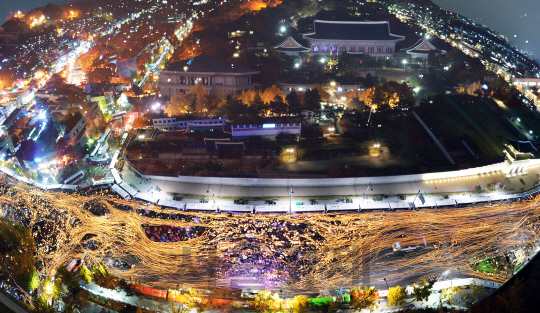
(508, 17)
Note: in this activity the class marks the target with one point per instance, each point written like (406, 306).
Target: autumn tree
(199, 98)
(364, 299)
(422, 291)
(299, 304)
(476, 290)
(396, 295)
(85, 274)
(248, 96)
(449, 294)
(270, 93)
(178, 104)
(266, 302)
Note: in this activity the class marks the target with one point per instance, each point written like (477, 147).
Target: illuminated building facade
(216, 75)
(267, 131)
(338, 37)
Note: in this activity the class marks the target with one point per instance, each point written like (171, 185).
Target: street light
(209, 190)
(290, 151)
(386, 283)
(282, 29)
(290, 196)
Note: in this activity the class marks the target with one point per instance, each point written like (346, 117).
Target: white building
(337, 37)
(170, 123)
(267, 131)
(217, 76)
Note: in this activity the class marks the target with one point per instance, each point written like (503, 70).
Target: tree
(368, 81)
(449, 294)
(422, 291)
(476, 290)
(141, 122)
(293, 103)
(71, 119)
(433, 59)
(396, 295)
(232, 108)
(277, 106)
(198, 302)
(333, 305)
(178, 104)
(68, 279)
(114, 142)
(368, 61)
(347, 62)
(136, 89)
(364, 299)
(267, 302)
(77, 99)
(85, 274)
(200, 95)
(256, 107)
(271, 93)
(299, 304)
(312, 100)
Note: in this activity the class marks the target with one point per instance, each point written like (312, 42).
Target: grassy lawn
(484, 266)
(448, 125)
(487, 119)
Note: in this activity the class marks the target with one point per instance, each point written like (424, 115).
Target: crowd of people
(273, 250)
(169, 233)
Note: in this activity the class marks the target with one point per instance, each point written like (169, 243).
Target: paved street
(492, 185)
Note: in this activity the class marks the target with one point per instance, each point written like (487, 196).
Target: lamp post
(459, 272)
(386, 283)
(470, 191)
(209, 190)
(290, 199)
(367, 191)
(290, 151)
(404, 64)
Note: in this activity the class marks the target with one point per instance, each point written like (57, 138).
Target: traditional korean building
(290, 46)
(337, 37)
(421, 49)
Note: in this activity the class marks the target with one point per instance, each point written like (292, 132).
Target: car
(74, 265)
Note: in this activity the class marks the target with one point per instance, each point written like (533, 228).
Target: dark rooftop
(208, 64)
(349, 30)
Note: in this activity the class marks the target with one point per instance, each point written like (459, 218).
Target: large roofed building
(217, 76)
(289, 46)
(337, 37)
(421, 49)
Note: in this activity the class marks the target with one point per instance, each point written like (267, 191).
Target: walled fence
(507, 167)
